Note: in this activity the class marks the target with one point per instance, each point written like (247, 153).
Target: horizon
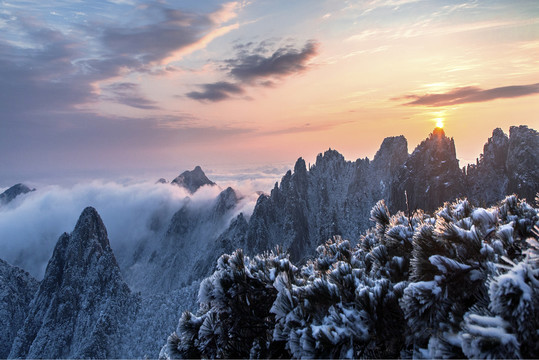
(136, 89)
(264, 175)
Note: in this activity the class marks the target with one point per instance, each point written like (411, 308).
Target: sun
(439, 123)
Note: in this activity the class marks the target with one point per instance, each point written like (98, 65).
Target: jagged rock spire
(81, 302)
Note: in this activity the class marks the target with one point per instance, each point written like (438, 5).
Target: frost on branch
(413, 286)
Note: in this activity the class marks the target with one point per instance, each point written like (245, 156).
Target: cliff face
(430, 176)
(487, 180)
(522, 162)
(509, 164)
(334, 196)
(188, 250)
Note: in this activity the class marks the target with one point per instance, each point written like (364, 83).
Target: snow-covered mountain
(14, 191)
(84, 306)
(17, 289)
(188, 249)
(81, 302)
(192, 180)
(335, 196)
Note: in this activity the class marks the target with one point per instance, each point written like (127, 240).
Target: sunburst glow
(440, 122)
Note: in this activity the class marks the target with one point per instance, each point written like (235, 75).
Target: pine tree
(414, 286)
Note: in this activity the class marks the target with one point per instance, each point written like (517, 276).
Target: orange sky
(144, 88)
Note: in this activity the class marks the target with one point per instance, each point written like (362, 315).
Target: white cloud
(31, 224)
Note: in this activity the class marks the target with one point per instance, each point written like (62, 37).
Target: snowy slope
(17, 289)
(189, 248)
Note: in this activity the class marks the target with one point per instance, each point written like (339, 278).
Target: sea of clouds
(31, 224)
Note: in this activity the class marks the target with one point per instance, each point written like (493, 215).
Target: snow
(446, 265)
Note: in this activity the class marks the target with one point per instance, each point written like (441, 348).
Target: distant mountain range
(84, 307)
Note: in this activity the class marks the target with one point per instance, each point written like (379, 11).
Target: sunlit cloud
(228, 11)
(200, 44)
(366, 51)
(369, 6)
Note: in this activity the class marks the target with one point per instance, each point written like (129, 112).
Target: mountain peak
(192, 180)
(14, 191)
(392, 153)
(438, 132)
(430, 175)
(226, 201)
(90, 227)
(82, 300)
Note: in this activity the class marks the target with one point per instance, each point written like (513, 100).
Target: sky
(128, 88)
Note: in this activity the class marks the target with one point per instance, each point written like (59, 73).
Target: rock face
(508, 165)
(523, 162)
(192, 180)
(190, 246)
(82, 301)
(430, 176)
(487, 180)
(17, 288)
(335, 196)
(14, 191)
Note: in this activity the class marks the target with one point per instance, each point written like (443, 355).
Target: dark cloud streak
(218, 91)
(470, 94)
(284, 61)
(252, 67)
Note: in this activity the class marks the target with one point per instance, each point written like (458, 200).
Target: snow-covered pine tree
(508, 325)
(414, 285)
(233, 320)
(452, 262)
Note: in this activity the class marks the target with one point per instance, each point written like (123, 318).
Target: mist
(31, 224)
